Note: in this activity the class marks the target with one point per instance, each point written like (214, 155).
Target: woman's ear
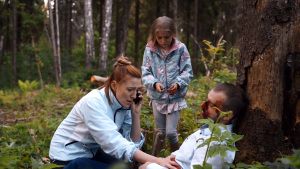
(113, 85)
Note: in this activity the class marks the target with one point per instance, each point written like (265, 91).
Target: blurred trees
(20, 20)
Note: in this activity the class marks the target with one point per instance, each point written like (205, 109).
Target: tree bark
(14, 41)
(122, 26)
(105, 35)
(261, 71)
(89, 34)
(137, 31)
(58, 44)
(54, 44)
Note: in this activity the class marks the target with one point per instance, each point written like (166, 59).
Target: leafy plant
(216, 57)
(220, 141)
(27, 85)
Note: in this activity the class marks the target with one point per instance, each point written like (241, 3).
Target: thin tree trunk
(122, 27)
(14, 41)
(174, 9)
(68, 27)
(105, 35)
(38, 63)
(137, 31)
(89, 34)
(58, 44)
(53, 42)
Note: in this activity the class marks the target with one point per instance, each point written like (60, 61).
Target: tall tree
(105, 35)
(268, 50)
(89, 34)
(55, 43)
(137, 31)
(14, 39)
(122, 26)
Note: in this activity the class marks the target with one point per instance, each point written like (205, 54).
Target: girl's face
(164, 39)
(126, 90)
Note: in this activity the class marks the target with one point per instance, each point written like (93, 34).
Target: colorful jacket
(174, 68)
(93, 123)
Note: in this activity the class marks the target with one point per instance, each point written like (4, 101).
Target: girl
(104, 126)
(166, 73)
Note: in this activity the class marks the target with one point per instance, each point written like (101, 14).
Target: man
(224, 97)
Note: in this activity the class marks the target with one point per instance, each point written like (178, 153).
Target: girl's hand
(173, 89)
(159, 87)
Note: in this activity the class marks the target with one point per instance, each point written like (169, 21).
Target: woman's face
(126, 90)
(164, 39)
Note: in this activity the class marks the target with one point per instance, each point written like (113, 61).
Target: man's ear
(227, 119)
(113, 85)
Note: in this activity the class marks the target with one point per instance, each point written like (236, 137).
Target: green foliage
(220, 141)
(216, 57)
(38, 113)
(292, 160)
(26, 85)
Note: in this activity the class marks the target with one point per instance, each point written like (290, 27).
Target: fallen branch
(98, 80)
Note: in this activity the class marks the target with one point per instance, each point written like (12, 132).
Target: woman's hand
(137, 103)
(169, 162)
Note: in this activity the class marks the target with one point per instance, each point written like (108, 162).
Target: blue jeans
(86, 163)
(167, 124)
(100, 161)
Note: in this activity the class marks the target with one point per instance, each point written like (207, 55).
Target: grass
(29, 119)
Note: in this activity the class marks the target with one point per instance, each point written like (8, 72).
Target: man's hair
(236, 99)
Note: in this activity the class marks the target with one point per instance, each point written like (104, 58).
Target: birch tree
(89, 34)
(105, 35)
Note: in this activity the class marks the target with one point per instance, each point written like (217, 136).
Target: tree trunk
(137, 31)
(54, 45)
(38, 62)
(58, 44)
(105, 35)
(14, 41)
(89, 34)
(174, 11)
(265, 48)
(122, 26)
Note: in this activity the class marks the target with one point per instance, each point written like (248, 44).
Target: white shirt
(190, 154)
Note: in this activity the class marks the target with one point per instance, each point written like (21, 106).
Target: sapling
(221, 140)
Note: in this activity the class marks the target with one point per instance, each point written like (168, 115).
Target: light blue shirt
(93, 123)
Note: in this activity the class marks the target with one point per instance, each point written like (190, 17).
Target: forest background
(47, 56)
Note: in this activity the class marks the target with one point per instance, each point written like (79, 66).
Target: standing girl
(166, 73)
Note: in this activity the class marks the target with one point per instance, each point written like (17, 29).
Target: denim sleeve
(147, 70)
(186, 72)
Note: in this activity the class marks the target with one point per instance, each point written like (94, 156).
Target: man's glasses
(206, 105)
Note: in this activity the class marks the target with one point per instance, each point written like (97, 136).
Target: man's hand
(159, 87)
(173, 89)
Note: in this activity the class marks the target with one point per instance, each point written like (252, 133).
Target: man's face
(212, 106)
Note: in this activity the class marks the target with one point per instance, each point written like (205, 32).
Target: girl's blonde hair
(162, 23)
(121, 69)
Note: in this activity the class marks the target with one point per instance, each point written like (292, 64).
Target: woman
(104, 126)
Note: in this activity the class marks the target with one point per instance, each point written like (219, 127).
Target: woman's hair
(161, 23)
(236, 100)
(121, 69)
